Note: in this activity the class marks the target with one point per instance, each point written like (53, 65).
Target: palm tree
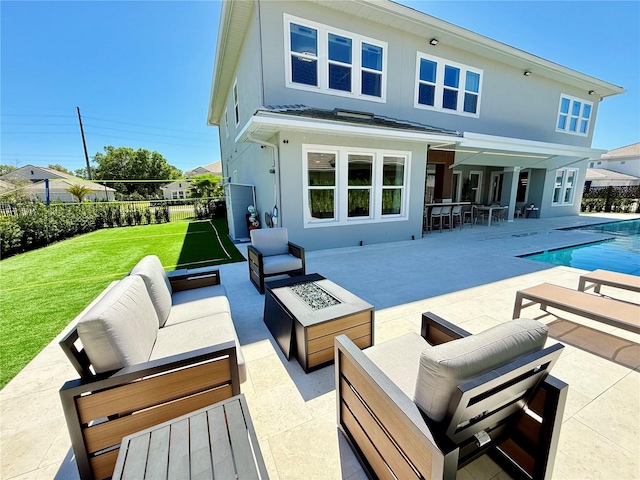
(79, 191)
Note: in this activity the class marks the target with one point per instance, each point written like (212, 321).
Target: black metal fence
(622, 199)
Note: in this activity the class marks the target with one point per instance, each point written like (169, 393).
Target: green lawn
(43, 290)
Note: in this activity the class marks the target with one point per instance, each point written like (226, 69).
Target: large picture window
(334, 61)
(447, 86)
(574, 115)
(564, 187)
(344, 185)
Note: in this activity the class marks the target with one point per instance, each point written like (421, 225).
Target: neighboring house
(600, 177)
(348, 117)
(214, 168)
(178, 190)
(47, 182)
(621, 160)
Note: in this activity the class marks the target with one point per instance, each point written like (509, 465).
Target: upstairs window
(326, 59)
(447, 86)
(236, 107)
(574, 115)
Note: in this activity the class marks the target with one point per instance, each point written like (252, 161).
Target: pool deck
(468, 277)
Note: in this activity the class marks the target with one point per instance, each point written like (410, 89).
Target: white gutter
(276, 172)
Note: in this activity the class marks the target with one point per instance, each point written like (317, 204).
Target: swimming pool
(619, 254)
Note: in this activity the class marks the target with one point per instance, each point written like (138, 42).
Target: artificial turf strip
(43, 290)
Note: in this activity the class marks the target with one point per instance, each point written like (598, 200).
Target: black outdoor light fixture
(592, 92)
(527, 73)
(434, 41)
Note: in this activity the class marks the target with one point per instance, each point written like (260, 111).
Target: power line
(150, 141)
(142, 133)
(137, 124)
(32, 115)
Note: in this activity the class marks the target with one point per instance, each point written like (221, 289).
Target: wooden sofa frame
(513, 413)
(601, 309)
(100, 413)
(256, 265)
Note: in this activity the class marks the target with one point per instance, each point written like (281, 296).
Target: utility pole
(84, 144)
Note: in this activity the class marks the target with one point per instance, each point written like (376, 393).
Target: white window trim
(341, 188)
(323, 60)
(236, 102)
(569, 115)
(439, 85)
(478, 192)
(563, 187)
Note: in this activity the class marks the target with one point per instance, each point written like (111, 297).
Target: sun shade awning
(475, 149)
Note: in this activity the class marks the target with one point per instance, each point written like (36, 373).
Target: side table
(218, 441)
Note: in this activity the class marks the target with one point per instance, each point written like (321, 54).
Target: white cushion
(399, 359)
(281, 263)
(445, 366)
(158, 285)
(270, 241)
(198, 333)
(121, 328)
(198, 302)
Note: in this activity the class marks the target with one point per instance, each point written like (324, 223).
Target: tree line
(125, 169)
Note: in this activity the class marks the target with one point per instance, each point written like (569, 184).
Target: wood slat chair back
(518, 406)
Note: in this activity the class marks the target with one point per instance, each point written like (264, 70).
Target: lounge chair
(423, 406)
(606, 310)
(598, 278)
(271, 254)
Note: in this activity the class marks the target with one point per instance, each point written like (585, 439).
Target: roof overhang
(475, 149)
(264, 125)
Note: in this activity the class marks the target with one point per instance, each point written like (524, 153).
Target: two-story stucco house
(347, 117)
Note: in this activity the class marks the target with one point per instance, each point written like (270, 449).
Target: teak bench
(597, 278)
(606, 310)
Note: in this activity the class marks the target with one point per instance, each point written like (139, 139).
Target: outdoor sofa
(423, 406)
(151, 347)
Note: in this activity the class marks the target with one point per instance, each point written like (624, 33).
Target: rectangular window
(321, 168)
(360, 181)
(574, 115)
(392, 184)
(320, 57)
(236, 107)
(340, 63)
(564, 186)
(447, 86)
(343, 186)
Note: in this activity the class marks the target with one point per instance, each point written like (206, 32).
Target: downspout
(276, 171)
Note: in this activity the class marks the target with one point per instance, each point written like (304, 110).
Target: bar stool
(445, 214)
(456, 212)
(436, 214)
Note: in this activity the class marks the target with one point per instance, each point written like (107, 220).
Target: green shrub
(34, 225)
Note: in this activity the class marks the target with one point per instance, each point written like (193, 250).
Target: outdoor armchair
(425, 406)
(271, 254)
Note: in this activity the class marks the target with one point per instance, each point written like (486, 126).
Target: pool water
(619, 254)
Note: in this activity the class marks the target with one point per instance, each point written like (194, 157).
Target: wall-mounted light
(527, 73)
(592, 92)
(434, 41)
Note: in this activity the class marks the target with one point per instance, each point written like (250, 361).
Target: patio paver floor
(469, 277)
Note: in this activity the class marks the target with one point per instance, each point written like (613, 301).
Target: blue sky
(141, 71)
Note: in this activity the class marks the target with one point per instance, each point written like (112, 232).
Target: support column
(510, 182)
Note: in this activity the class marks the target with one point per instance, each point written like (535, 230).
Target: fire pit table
(305, 313)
